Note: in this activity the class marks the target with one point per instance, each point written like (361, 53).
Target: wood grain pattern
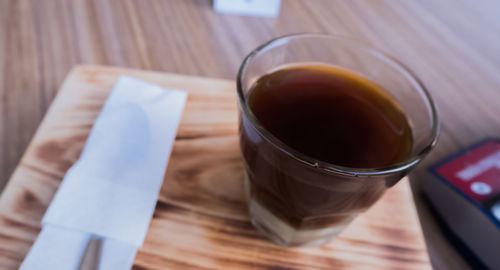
(452, 45)
(201, 220)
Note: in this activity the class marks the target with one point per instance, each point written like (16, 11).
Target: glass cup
(295, 199)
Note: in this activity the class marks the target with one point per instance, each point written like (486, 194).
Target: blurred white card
(263, 8)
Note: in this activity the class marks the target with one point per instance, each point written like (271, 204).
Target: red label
(476, 172)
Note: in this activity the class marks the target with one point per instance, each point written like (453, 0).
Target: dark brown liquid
(332, 115)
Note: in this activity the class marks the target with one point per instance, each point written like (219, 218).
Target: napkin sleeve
(111, 191)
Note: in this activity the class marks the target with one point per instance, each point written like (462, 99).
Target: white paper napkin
(112, 190)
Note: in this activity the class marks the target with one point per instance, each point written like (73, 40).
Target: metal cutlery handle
(92, 255)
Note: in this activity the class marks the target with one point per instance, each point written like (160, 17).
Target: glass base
(285, 235)
(282, 233)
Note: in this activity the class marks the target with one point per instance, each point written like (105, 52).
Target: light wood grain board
(201, 221)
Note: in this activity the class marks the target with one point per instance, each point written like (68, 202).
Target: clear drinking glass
(295, 199)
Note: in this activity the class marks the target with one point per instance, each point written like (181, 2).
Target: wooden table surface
(453, 46)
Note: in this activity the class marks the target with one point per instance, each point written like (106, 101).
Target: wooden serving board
(201, 221)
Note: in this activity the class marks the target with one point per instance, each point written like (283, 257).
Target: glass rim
(326, 166)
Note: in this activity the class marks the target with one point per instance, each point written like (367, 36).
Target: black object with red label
(466, 193)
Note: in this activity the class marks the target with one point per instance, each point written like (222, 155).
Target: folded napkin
(111, 191)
